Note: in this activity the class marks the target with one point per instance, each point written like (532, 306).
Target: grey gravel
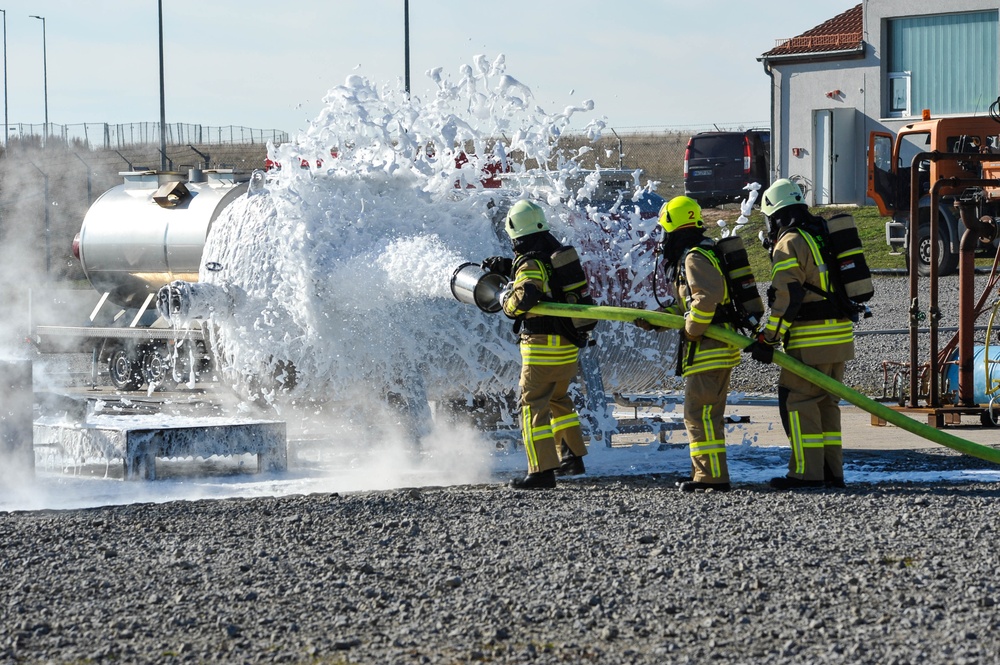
(613, 570)
(600, 570)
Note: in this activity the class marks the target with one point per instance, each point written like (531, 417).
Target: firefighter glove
(646, 325)
(761, 350)
(499, 265)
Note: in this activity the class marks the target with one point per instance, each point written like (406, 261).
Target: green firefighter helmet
(781, 194)
(524, 219)
(680, 212)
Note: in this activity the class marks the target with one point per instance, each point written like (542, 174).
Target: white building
(876, 66)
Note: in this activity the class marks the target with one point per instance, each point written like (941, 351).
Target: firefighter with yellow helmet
(804, 318)
(550, 425)
(706, 364)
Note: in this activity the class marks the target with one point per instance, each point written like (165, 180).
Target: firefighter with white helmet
(706, 364)
(804, 317)
(550, 425)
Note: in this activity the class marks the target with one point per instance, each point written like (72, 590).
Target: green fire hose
(832, 386)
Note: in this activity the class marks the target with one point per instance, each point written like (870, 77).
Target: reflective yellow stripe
(553, 352)
(832, 439)
(741, 272)
(700, 316)
(706, 421)
(525, 275)
(795, 439)
(529, 443)
(707, 447)
(711, 447)
(783, 265)
(532, 435)
(812, 440)
(565, 422)
(722, 358)
(826, 333)
(824, 275)
(778, 326)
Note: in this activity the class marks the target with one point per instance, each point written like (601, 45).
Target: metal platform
(944, 416)
(139, 445)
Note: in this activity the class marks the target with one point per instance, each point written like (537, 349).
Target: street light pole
(6, 124)
(163, 109)
(45, 73)
(406, 44)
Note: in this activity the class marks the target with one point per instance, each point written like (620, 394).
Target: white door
(823, 162)
(844, 160)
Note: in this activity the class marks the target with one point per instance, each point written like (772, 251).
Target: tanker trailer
(135, 238)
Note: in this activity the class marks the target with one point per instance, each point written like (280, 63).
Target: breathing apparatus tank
(846, 253)
(570, 280)
(746, 298)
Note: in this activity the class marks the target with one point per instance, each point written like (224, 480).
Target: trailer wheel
(157, 369)
(124, 371)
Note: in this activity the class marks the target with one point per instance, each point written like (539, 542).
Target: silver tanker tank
(151, 230)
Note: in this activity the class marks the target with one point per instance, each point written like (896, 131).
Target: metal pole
(163, 111)
(45, 74)
(6, 124)
(406, 43)
(48, 250)
(90, 187)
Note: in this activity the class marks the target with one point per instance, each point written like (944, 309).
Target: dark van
(718, 165)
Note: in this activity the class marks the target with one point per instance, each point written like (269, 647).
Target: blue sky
(268, 65)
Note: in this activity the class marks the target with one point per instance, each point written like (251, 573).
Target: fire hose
(784, 361)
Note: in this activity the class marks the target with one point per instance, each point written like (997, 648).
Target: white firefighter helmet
(524, 219)
(782, 193)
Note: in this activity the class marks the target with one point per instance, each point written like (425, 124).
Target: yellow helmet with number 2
(680, 212)
(524, 219)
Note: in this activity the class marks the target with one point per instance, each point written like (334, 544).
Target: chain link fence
(111, 136)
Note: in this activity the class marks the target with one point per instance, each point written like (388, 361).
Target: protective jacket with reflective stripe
(702, 293)
(797, 261)
(539, 346)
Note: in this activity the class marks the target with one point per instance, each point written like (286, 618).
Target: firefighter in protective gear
(813, 330)
(550, 425)
(706, 364)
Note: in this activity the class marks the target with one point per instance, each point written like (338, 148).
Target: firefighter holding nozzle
(550, 425)
(692, 265)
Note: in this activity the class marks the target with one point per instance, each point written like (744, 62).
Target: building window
(899, 94)
(943, 62)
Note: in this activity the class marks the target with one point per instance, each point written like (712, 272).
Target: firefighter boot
(831, 480)
(792, 483)
(534, 481)
(572, 465)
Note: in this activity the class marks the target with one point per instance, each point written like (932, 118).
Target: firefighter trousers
(550, 425)
(811, 418)
(704, 419)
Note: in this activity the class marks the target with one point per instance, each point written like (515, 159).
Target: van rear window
(713, 146)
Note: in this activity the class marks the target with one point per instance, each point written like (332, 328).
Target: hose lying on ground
(784, 361)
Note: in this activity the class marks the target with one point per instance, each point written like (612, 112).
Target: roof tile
(841, 33)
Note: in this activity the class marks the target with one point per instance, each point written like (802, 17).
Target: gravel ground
(623, 570)
(601, 570)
